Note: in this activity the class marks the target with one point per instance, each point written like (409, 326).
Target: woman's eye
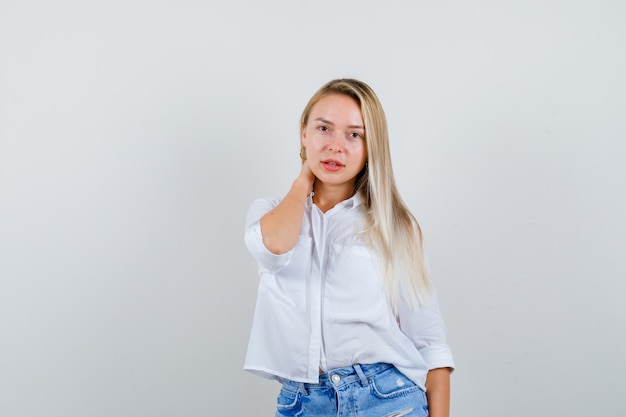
(355, 135)
(323, 128)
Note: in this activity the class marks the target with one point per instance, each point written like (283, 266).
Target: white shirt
(323, 304)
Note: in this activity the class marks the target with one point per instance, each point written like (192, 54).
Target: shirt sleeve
(424, 325)
(267, 261)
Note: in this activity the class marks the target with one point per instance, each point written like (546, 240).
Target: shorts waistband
(340, 376)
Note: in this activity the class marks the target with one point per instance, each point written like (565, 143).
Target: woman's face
(334, 138)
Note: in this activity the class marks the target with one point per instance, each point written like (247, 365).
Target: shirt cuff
(437, 357)
(267, 261)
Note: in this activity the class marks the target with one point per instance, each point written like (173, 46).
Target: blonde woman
(346, 317)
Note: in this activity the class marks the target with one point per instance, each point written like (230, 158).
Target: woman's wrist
(303, 185)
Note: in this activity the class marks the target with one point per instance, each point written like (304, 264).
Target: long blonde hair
(391, 230)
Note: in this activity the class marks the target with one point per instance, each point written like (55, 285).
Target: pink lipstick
(332, 165)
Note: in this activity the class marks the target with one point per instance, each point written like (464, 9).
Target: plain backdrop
(134, 135)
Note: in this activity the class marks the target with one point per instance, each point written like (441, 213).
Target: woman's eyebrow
(321, 119)
(328, 122)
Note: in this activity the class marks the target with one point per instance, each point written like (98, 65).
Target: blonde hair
(391, 230)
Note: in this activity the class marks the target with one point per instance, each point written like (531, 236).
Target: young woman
(346, 317)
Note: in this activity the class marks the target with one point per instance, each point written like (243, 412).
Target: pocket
(393, 383)
(354, 280)
(289, 403)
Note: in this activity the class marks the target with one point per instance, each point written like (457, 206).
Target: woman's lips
(332, 165)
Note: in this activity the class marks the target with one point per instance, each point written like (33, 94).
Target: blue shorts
(378, 390)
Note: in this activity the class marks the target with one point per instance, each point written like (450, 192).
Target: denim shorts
(377, 390)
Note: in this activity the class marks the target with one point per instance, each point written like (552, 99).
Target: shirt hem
(275, 375)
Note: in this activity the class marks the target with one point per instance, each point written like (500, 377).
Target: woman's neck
(327, 196)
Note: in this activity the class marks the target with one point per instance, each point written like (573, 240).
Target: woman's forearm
(438, 392)
(281, 226)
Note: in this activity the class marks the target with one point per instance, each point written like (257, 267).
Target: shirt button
(335, 378)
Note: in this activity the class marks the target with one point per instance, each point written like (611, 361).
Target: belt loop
(361, 375)
(303, 388)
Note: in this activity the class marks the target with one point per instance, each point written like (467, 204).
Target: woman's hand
(281, 226)
(306, 176)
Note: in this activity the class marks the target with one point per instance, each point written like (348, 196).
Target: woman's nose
(336, 141)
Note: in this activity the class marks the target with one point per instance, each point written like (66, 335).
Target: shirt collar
(353, 202)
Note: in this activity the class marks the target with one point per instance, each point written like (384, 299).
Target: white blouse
(323, 305)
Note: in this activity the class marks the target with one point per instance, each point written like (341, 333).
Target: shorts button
(335, 378)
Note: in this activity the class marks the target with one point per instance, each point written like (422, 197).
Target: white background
(134, 135)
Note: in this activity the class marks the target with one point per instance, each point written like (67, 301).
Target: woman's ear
(303, 135)
(303, 143)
